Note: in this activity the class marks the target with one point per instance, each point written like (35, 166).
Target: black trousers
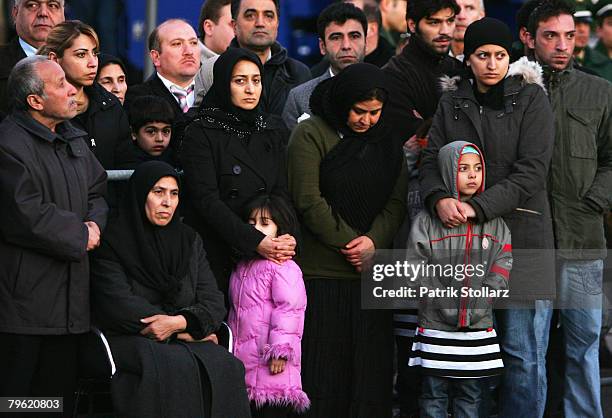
(39, 365)
(347, 353)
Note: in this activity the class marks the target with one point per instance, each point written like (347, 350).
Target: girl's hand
(161, 327)
(278, 249)
(277, 365)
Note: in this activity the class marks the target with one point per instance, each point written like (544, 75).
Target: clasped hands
(359, 251)
(277, 250)
(162, 327)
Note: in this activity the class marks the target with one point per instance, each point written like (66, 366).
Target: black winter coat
(517, 143)
(413, 80)
(51, 184)
(281, 74)
(10, 54)
(220, 175)
(107, 126)
(161, 379)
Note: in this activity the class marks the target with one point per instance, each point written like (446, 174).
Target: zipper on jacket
(243, 279)
(464, 300)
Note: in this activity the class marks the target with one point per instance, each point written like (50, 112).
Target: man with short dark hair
(580, 190)
(342, 30)
(33, 20)
(53, 212)
(415, 72)
(256, 28)
(173, 48)
(378, 50)
(520, 48)
(215, 28)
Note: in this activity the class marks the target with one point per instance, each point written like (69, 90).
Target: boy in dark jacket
(455, 343)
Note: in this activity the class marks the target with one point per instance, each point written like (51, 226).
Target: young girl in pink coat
(267, 305)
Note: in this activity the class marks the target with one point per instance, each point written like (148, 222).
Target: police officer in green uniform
(602, 11)
(591, 60)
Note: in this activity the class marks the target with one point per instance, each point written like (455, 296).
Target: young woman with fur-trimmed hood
(504, 110)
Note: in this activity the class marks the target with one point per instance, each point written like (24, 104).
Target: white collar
(27, 48)
(169, 83)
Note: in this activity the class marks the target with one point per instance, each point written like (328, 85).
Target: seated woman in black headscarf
(231, 153)
(154, 296)
(348, 183)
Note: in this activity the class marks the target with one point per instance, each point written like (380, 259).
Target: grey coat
(517, 143)
(298, 100)
(486, 245)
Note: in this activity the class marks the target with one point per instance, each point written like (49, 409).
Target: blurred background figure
(32, 24)
(112, 75)
(591, 60)
(393, 19)
(471, 11)
(215, 27)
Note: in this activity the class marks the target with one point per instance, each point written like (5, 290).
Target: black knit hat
(486, 31)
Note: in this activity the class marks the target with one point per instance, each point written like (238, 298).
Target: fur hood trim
(529, 71)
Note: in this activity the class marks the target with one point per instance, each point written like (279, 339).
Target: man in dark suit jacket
(173, 47)
(342, 31)
(33, 22)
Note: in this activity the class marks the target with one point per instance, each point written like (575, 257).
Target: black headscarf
(155, 256)
(105, 59)
(217, 104)
(358, 175)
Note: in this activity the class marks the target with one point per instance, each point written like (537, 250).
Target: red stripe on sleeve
(500, 270)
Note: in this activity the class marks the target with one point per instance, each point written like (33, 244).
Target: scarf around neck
(217, 107)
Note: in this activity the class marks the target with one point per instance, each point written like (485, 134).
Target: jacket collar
(421, 51)
(520, 73)
(63, 132)
(99, 98)
(279, 53)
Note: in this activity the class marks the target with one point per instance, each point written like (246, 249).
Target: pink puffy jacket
(266, 316)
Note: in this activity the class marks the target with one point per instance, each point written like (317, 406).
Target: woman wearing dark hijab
(154, 296)
(231, 153)
(348, 184)
(112, 75)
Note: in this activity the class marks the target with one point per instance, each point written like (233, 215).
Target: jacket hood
(448, 161)
(529, 72)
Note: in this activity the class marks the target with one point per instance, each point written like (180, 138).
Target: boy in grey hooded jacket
(455, 343)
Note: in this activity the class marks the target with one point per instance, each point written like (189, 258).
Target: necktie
(181, 96)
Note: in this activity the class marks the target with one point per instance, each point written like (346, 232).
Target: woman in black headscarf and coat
(154, 296)
(348, 183)
(231, 153)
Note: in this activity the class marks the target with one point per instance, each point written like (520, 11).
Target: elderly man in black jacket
(52, 214)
